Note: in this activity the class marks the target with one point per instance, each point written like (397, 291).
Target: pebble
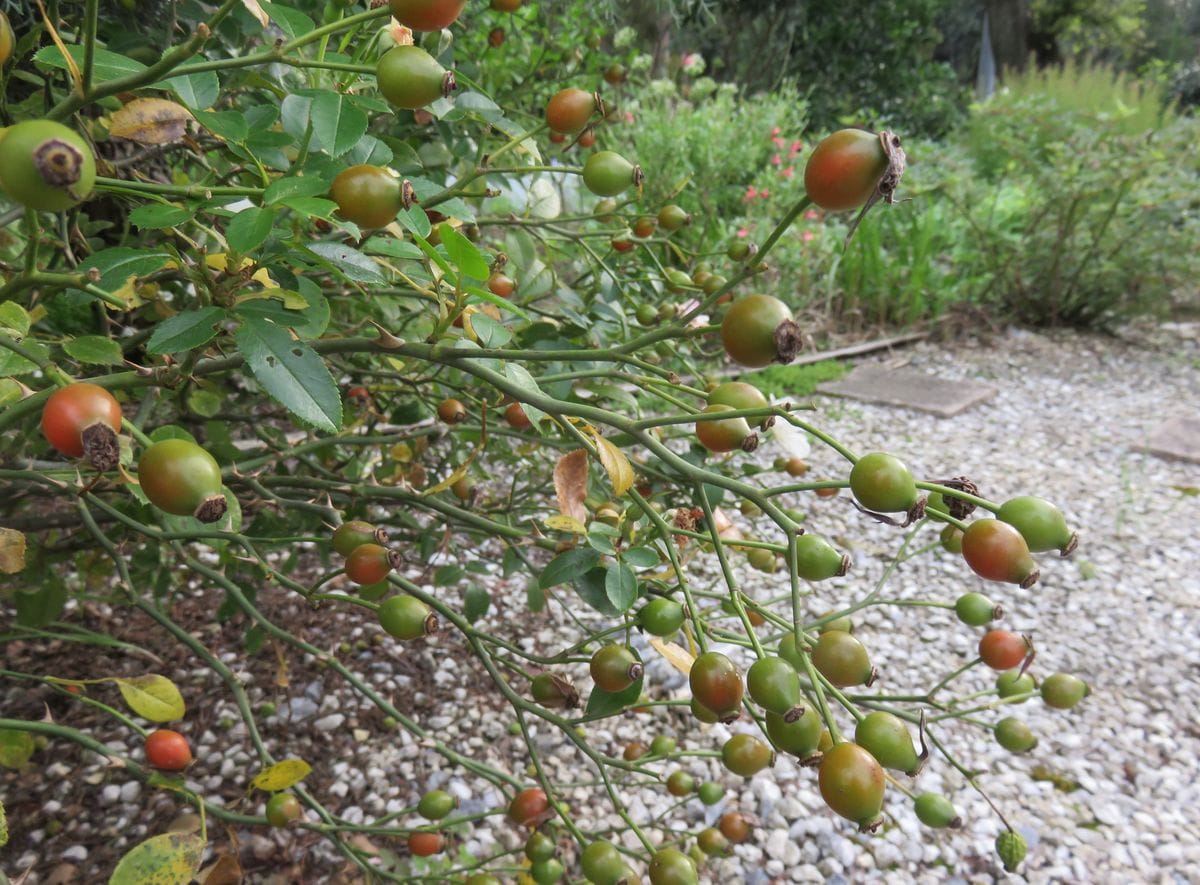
(329, 723)
(130, 791)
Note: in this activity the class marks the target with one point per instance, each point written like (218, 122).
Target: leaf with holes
(291, 372)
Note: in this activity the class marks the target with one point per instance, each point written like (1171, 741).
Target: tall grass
(1128, 105)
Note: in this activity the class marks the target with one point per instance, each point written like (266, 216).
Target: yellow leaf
(3, 827)
(679, 658)
(219, 261)
(12, 551)
(281, 775)
(257, 11)
(168, 859)
(620, 471)
(152, 697)
(570, 484)
(565, 524)
(128, 295)
(151, 121)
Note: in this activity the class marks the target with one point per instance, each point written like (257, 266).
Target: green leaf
(153, 697)
(511, 563)
(291, 372)
(394, 248)
(535, 597)
(491, 333)
(295, 113)
(567, 566)
(415, 221)
(156, 216)
(249, 229)
(45, 604)
(167, 431)
(601, 542)
(291, 22)
(526, 384)
(448, 574)
(14, 318)
(16, 748)
(354, 265)
(106, 65)
(204, 403)
(10, 391)
(311, 207)
(478, 104)
(337, 122)
(370, 150)
(167, 859)
(592, 589)
(185, 331)
(641, 557)
(476, 603)
(118, 265)
(95, 350)
(11, 364)
(229, 125)
(464, 254)
(197, 91)
(295, 186)
(602, 704)
(621, 586)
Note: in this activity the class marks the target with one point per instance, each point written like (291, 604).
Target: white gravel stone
(75, 854)
(329, 723)
(130, 791)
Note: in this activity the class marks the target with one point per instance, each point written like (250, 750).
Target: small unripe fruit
(1062, 691)
(282, 809)
(936, 811)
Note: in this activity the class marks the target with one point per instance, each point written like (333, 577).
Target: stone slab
(910, 389)
(1177, 439)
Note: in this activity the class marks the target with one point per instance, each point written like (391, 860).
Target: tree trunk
(1009, 22)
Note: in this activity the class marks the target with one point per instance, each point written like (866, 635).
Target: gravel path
(1108, 795)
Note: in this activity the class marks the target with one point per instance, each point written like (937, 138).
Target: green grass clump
(793, 381)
